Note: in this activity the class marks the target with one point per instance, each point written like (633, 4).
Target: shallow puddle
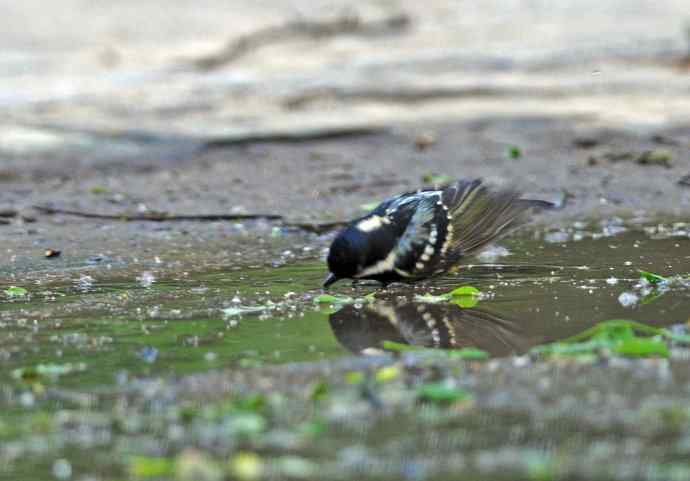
(535, 290)
(60, 344)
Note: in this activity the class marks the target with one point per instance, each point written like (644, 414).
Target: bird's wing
(402, 201)
(479, 216)
(417, 248)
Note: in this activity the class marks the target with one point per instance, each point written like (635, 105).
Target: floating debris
(14, 291)
(424, 140)
(51, 253)
(514, 152)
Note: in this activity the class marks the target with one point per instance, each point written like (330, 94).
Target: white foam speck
(628, 299)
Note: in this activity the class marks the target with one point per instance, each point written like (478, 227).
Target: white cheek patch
(371, 223)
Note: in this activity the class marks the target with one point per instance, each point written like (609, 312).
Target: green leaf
(616, 329)
(319, 391)
(557, 349)
(642, 347)
(246, 466)
(331, 299)
(46, 371)
(469, 353)
(442, 393)
(248, 424)
(98, 189)
(626, 338)
(465, 296)
(514, 152)
(386, 374)
(465, 302)
(312, 428)
(148, 467)
(15, 291)
(652, 278)
(251, 403)
(430, 298)
(465, 291)
(399, 346)
(354, 377)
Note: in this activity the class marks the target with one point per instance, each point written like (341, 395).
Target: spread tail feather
(480, 215)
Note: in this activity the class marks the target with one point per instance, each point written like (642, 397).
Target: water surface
(546, 288)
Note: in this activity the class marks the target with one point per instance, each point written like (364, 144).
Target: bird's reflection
(363, 329)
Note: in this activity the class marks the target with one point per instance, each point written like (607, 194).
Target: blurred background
(106, 88)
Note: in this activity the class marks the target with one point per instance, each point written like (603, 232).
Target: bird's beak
(330, 279)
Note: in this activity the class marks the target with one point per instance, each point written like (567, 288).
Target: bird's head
(347, 255)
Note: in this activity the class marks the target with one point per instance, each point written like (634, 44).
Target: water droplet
(628, 299)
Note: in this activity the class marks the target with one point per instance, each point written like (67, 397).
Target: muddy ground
(323, 181)
(354, 103)
(122, 118)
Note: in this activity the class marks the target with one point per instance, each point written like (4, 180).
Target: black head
(347, 255)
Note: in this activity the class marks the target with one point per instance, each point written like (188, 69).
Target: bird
(364, 329)
(417, 235)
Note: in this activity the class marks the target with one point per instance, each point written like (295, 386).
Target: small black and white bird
(364, 329)
(416, 235)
